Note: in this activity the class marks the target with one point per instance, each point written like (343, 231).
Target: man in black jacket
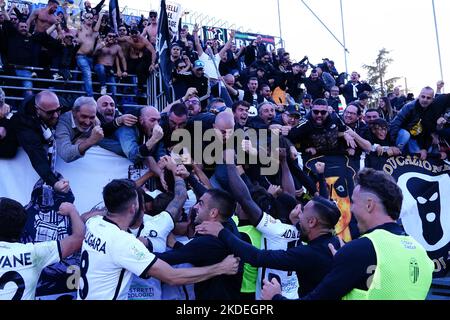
(413, 125)
(354, 88)
(311, 262)
(218, 206)
(34, 125)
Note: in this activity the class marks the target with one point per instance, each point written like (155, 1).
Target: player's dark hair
(179, 109)
(119, 194)
(223, 201)
(12, 219)
(384, 187)
(161, 202)
(327, 210)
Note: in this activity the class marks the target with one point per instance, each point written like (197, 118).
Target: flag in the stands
(114, 14)
(162, 46)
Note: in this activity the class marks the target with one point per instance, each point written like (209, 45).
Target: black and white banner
(339, 176)
(426, 204)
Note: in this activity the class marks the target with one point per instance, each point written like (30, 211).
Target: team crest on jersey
(138, 253)
(413, 270)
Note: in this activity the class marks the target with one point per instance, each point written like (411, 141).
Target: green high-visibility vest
(403, 271)
(250, 274)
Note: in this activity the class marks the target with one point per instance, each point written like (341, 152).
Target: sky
(406, 28)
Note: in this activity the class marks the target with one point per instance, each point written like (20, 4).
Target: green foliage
(376, 74)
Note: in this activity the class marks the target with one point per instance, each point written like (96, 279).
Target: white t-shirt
(21, 266)
(109, 256)
(210, 69)
(276, 235)
(157, 229)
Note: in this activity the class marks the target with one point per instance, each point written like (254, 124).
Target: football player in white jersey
(154, 230)
(22, 264)
(110, 254)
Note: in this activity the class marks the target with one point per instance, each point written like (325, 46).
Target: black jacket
(28, 130)
(8, 145)
(413, 112)
(204, 251)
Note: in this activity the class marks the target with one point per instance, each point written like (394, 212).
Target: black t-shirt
(323, 138)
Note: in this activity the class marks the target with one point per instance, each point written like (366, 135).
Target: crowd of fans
(225, 88)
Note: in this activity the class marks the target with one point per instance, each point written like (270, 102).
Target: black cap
(293, 109)
(307, 96)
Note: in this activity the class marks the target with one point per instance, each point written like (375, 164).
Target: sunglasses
(50, 112)
(322, 112)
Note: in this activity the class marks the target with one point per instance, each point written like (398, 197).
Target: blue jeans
(84, 63)
(26, 84)
(405, 143)
(112, 145)
(105, 73)
(127, 137)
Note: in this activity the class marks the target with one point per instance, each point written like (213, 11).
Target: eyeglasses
(322, 112)
(50, 112)
(193, 101)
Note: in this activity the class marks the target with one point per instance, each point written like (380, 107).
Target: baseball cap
(293, 109)
(307, 96)
(199, 64)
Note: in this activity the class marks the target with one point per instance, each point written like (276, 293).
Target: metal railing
(9, 83)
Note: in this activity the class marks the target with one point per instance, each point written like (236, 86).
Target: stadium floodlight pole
(437, 40)
(343, 38)
(279, 23)
(332, 34)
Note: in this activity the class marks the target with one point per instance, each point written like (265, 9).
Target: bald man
(110, 121)
(141, 141)
(224, 129)
(34, 125)
(224, 125)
